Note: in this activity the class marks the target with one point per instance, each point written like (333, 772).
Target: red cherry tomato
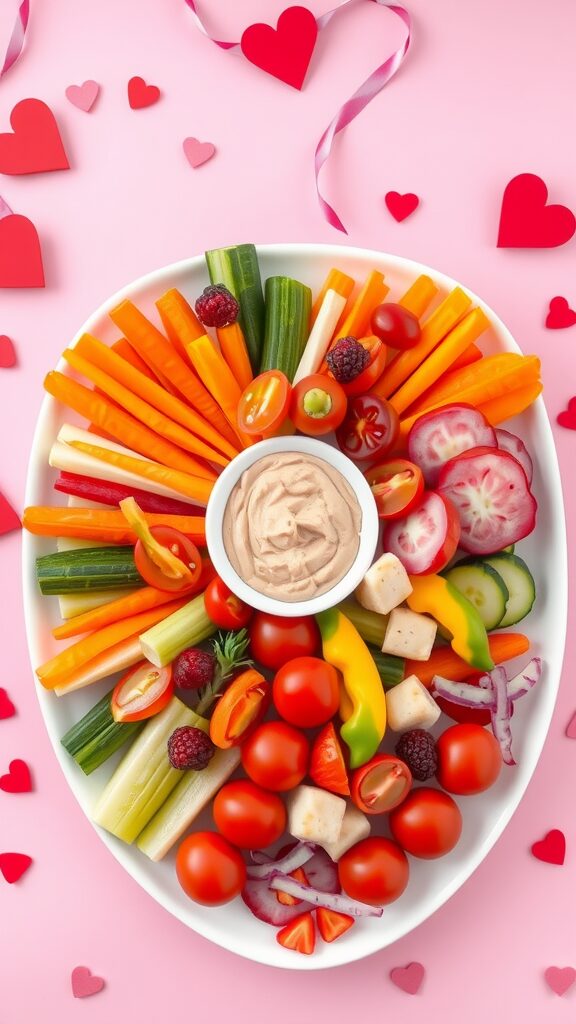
(369, 430)
(249, 816)
(274, 640)
(469, 759)
(142, 692)
(427, 824)
(327, 765)
(396, 326)
(381, 784)
(209, 869)
(225, 609)
(306, 692)
(374, 871)
(179, 545)
(318, 405)
(397, 486)
(426, 539)
(275, 756)
(366, 380)
(264, 404)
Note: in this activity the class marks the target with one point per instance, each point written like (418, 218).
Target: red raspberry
(347, 360)
(418, 750)
(193, 668)
(217, 307)
(189, 747)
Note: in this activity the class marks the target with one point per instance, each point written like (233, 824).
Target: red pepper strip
(112, 494)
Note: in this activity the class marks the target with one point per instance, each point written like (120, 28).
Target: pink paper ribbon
(16, 43)
(354, 105)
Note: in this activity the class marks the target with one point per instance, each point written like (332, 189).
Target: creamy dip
(291, 526)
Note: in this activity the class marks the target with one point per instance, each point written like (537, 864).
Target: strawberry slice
(332, 924)
(299, 934)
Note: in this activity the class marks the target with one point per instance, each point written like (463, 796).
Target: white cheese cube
(409, 705)
(409, 634)
(355, 826)
(315, 815)
(385, 585)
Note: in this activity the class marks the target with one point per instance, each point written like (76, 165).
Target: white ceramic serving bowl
(219, 499)
(485, 816)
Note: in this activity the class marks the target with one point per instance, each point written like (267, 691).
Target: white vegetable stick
(320, 335)
(106, 667)
(71, 460)
(72, 605)
(75, 543)
(69, 433)
(75, 502)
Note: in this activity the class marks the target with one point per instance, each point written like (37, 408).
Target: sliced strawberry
(327, 766)
(299, 935)
(332, 924)
(284, 897)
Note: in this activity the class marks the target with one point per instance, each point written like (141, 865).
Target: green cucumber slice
(485, 589)
(520, 584)
(237, 267)
(288, 305)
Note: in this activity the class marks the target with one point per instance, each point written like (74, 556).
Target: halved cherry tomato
(298, 934)
(264, 404)
(179, 545)
(369, 430)
(397, 486)
(318, 404)
(327, 765)
(397, 327)
(142, 692)
(366, 380)
(240, 709)
(381, 784)
(332, 924)
(225, 609)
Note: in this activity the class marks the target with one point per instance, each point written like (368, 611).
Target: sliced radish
(439, 436)
(321, 872)
(427, 538)
(491, 492)
(508, 442)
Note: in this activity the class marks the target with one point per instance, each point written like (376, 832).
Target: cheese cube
(355, 826)
(315, 814)
(409, 705)
(385, 585)
(409, 634)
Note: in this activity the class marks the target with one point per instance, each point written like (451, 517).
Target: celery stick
(187, 627)
(370, 625)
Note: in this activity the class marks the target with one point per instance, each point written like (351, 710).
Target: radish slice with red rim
(426, 539)
(440, 435)
(508, 442)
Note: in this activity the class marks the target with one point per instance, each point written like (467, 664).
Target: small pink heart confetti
(83, 96)
(84, 983)
(17, 779)
(560, 979)
(571, 728)
(408, 978)
(198, 153)
(7, 352)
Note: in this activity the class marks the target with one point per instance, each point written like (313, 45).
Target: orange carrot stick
(338, 282)
(444, 662)
(356, 320)
(498, 410)
(106, 525)
(124, 349)
(470, 355)
(489, 378)
(233, 348)
(419, 295)
(211, 366)
(193, 487)
(174, 309)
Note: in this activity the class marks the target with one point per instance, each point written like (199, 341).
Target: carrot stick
(124, 349)
(115, 659)
(157, 351)
(489, 378)
(211, 366)
(338, 282)
(106, 525)
(435, 328)
(150, 391)
(194, 487)
(356, 321)
(122, 426)
(419, 295)
(470, 355)
(174, 309)
(497, 410)
(444, 662)
(59, 669)
(453, 345)
(233, 348)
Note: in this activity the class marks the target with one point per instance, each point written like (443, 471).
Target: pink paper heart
(83, 96)
(17, 779)
(7, 352)
(571, 728)
(408, 978)
(560, 979)
(84, 983)
(196, 152)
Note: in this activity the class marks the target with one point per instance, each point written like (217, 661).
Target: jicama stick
(93, 492)
(233, 347)
(321, 334)
(419, 295)
(174, 309)
(72, 605)
(453, 345)
(357, 321)
(104, 525)
(335, 281)
(124, 350)
(211, 366)
(436, 327)
(116, 659)
(182, 483)
(444, 662)
(498, 410)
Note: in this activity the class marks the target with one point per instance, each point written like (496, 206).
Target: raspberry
(193, 668)
(347, 360)
(217, 307)
(189, 747)
(418, 750)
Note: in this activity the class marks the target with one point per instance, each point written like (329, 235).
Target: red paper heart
(7, 709)
(141, 95)
(83, 96)
(401, 206)
(560, 979)
(560, 314)
(18, 778)
(197, 153)
(551, 849)
(34, 144)
(408, 978)
(84, 983)
(526, 222)
(13, 866)
(567, 418)
(285, 51)
(7, 352)
(8, 519)
(20, 253)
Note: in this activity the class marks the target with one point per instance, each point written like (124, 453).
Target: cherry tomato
(179, 545)
(327, 765)
(264, 404)
(209, 869)
(369, 430)
(396, 326)
(241, 708)
(426, 539)
(318, 405)
(306, 692)
(276, 756)
(274, 640)
(374, 871)
(248, 816)
(225, 609)
(142, 692)
(459, 713)
(381, 784)
(469, 759)
(397, 486)
(427, 824)
(365, 380)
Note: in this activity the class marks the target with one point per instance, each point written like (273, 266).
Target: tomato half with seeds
(369, 430)
(327, 766)
(142, 692)
(179, 545)
(397, 486)
(240, 709)
(264, 404)
(318, 405)
(381, 784)
(225, 609)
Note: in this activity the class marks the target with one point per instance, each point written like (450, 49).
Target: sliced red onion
(263, 902)
(259, 857)
(525, 680)
(500, 711)
(331, 901)
(461, 693)
(296, 858)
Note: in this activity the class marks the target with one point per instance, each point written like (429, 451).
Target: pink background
(487, 92)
